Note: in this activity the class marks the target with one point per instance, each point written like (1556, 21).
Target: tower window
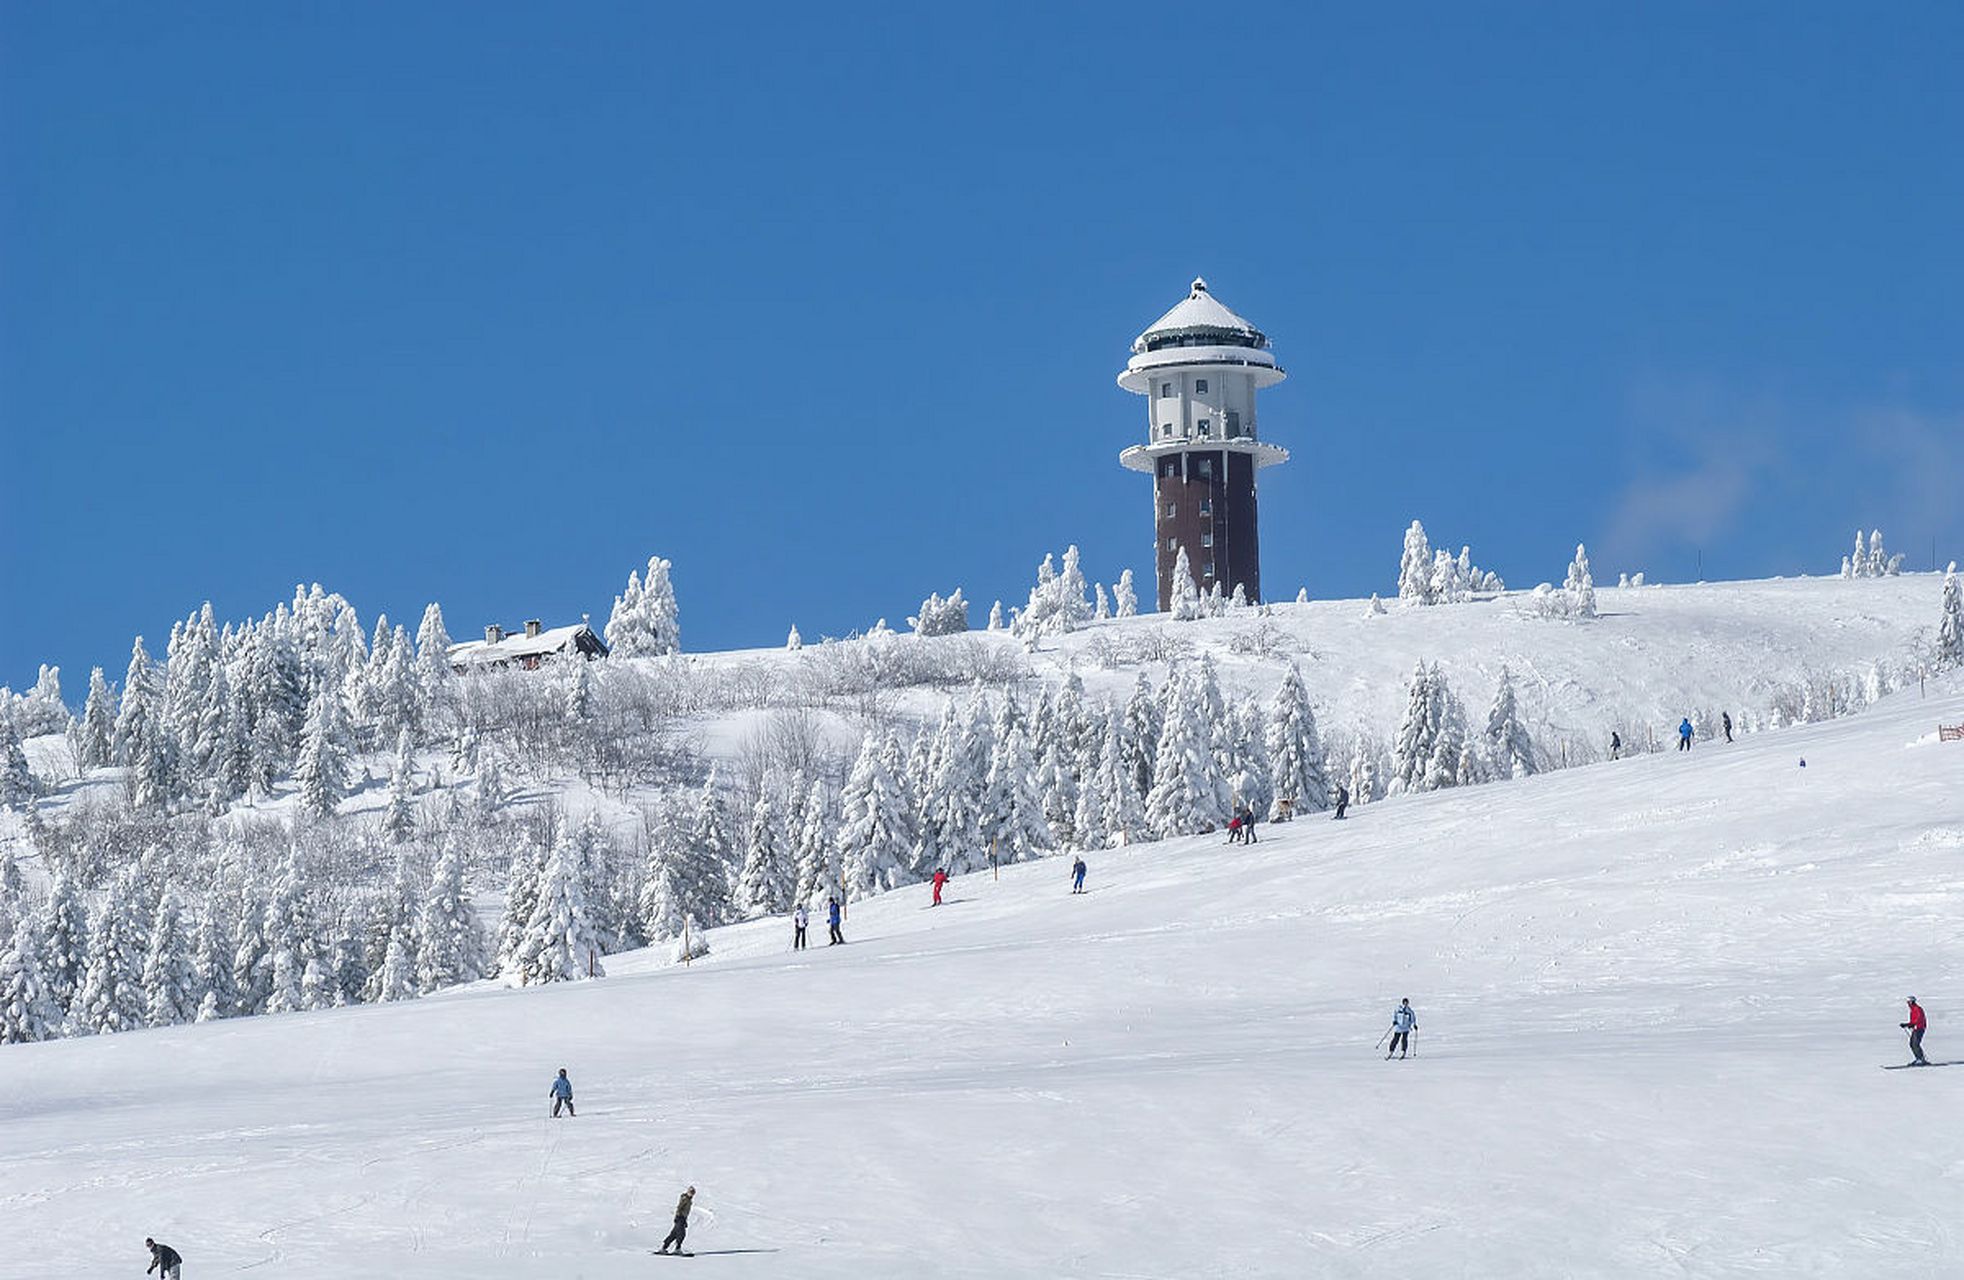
(1207, 570)
(1206, 539)
(1206, 506)
(1165, 391)
(1166, 430)
(1200, 386)
(1172, 509)
(1233, 423)
(1206, 468)
(1172, 544)
(1206, 428)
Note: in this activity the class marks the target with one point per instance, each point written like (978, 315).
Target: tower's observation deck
(1199, 367)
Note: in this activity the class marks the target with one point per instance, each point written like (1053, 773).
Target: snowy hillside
(1653, 997)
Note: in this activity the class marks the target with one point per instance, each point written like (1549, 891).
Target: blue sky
(487, 303)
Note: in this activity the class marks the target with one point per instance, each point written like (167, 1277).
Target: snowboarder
(832, 917)
(163, 1260)
(1077, 875)
(681, 1222)
(1343, 799)
(1918, 1023)
(1615, 746)
(1725, 723)
(940, 878)
(799, 919)
(562, 1094)
(1403, 1022)
(1684, 735)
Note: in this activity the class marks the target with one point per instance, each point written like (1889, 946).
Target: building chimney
(493, 633)
(532, 628)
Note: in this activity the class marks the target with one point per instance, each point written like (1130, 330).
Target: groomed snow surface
(1653, 997)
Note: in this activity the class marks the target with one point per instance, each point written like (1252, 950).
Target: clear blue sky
(486, 303)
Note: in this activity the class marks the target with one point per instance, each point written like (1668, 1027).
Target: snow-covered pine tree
(1015, 828)
(1581, 588)
(579, 692)
(449, 937)
(170, 980)
(96, 745)
(766, 886)
(1185, 605)
(1249, 769)
(396, 979)
(874, 838)
(1126, 595)
(794, 641)
(1058, 789)
(560, 944)
(712, 853)
(1418, 731)
(16, 780)
(522, 885)
(65, 939)
(1950, 622)
(436, 682)
(318, 989)
(1189, 792)
(817, 871)
(111, 995)
(1448, 584)
(1415, 568)
(212, 949)
(645, 622)
(29, 1011)
(233, 768)
(1093, 805)
(1142, 724)
(1295, 750)
(399, 819)
(323, 767)
(1509, 748)
(939, 617)
(1103, 608)
(1124, 821)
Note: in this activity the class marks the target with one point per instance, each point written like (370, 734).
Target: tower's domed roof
(1200, 312)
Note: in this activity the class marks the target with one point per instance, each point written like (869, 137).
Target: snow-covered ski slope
(1654, 997)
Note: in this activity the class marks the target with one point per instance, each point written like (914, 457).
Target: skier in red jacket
(1916, 1026)
(940, 878)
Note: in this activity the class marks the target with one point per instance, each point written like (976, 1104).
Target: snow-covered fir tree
(766, 885)
(436, 682)
(794, 641)
(1124, 820)
(1189, 792)
(111, 996)
(29, 1011)
(1103, 603)
(1185, 606)
(16, 780)
(399, 818)
(1508, 746)
(560, 943)
(1950, 621)
(1426, 755)
(1581, 588)
(1249, 768)
(396, 980)
(449, 937)
(523, 880)
(1126, 596)
(939, 617)
(1871, 561)
(813, 855)
(1295, 751)
(645, 622)
(1057, 602)
(1015, 824)
(323, 769)
(96, 743)
(1415, 568)
(65, 939)
(170, 980)
(874, 840)
(212, 952)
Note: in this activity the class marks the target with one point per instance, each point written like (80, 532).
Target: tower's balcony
(1145, 457)
(1141, 368)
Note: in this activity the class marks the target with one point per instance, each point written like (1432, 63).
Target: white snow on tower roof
(1199, 310)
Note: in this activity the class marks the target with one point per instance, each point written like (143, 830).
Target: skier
(681, 1222)
(562, 1094)
(1615, 746)
(1403, 1023)
(1343, 799)
(1234, 829)
(832, 917)
(163, 1260)
(1077, 875)
(1725, 722)
(1684, 735)
(1916, 1026)
(1248, 826)
(799, 919)
(940, 878)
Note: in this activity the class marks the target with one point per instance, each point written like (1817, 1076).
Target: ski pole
(1415, 1042)
(1381, 1040)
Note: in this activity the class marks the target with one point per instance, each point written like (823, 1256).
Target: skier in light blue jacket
(1403, 1022)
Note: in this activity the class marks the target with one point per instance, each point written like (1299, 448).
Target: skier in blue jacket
(1684, 735)
(832, 917)
(1404, 1021)
(562, 1093)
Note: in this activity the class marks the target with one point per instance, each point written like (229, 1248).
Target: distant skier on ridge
(1918, 1023)
(1404, 1021)
(1684, 735)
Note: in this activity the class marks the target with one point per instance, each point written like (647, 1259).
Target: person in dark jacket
(1615, 746)
(832, 917)
(1077, 876)
(1248, 835)
(1343, 799)
(163, 1260)
(562, 1093)
(681, 1230)
(1918, 1023)
(1725, 722)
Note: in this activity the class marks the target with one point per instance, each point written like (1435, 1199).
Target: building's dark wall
(1203, 496)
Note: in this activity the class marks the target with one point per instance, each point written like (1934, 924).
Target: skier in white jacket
(1403, 1022)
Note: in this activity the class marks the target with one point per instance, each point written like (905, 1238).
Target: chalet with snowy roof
(529, 649)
